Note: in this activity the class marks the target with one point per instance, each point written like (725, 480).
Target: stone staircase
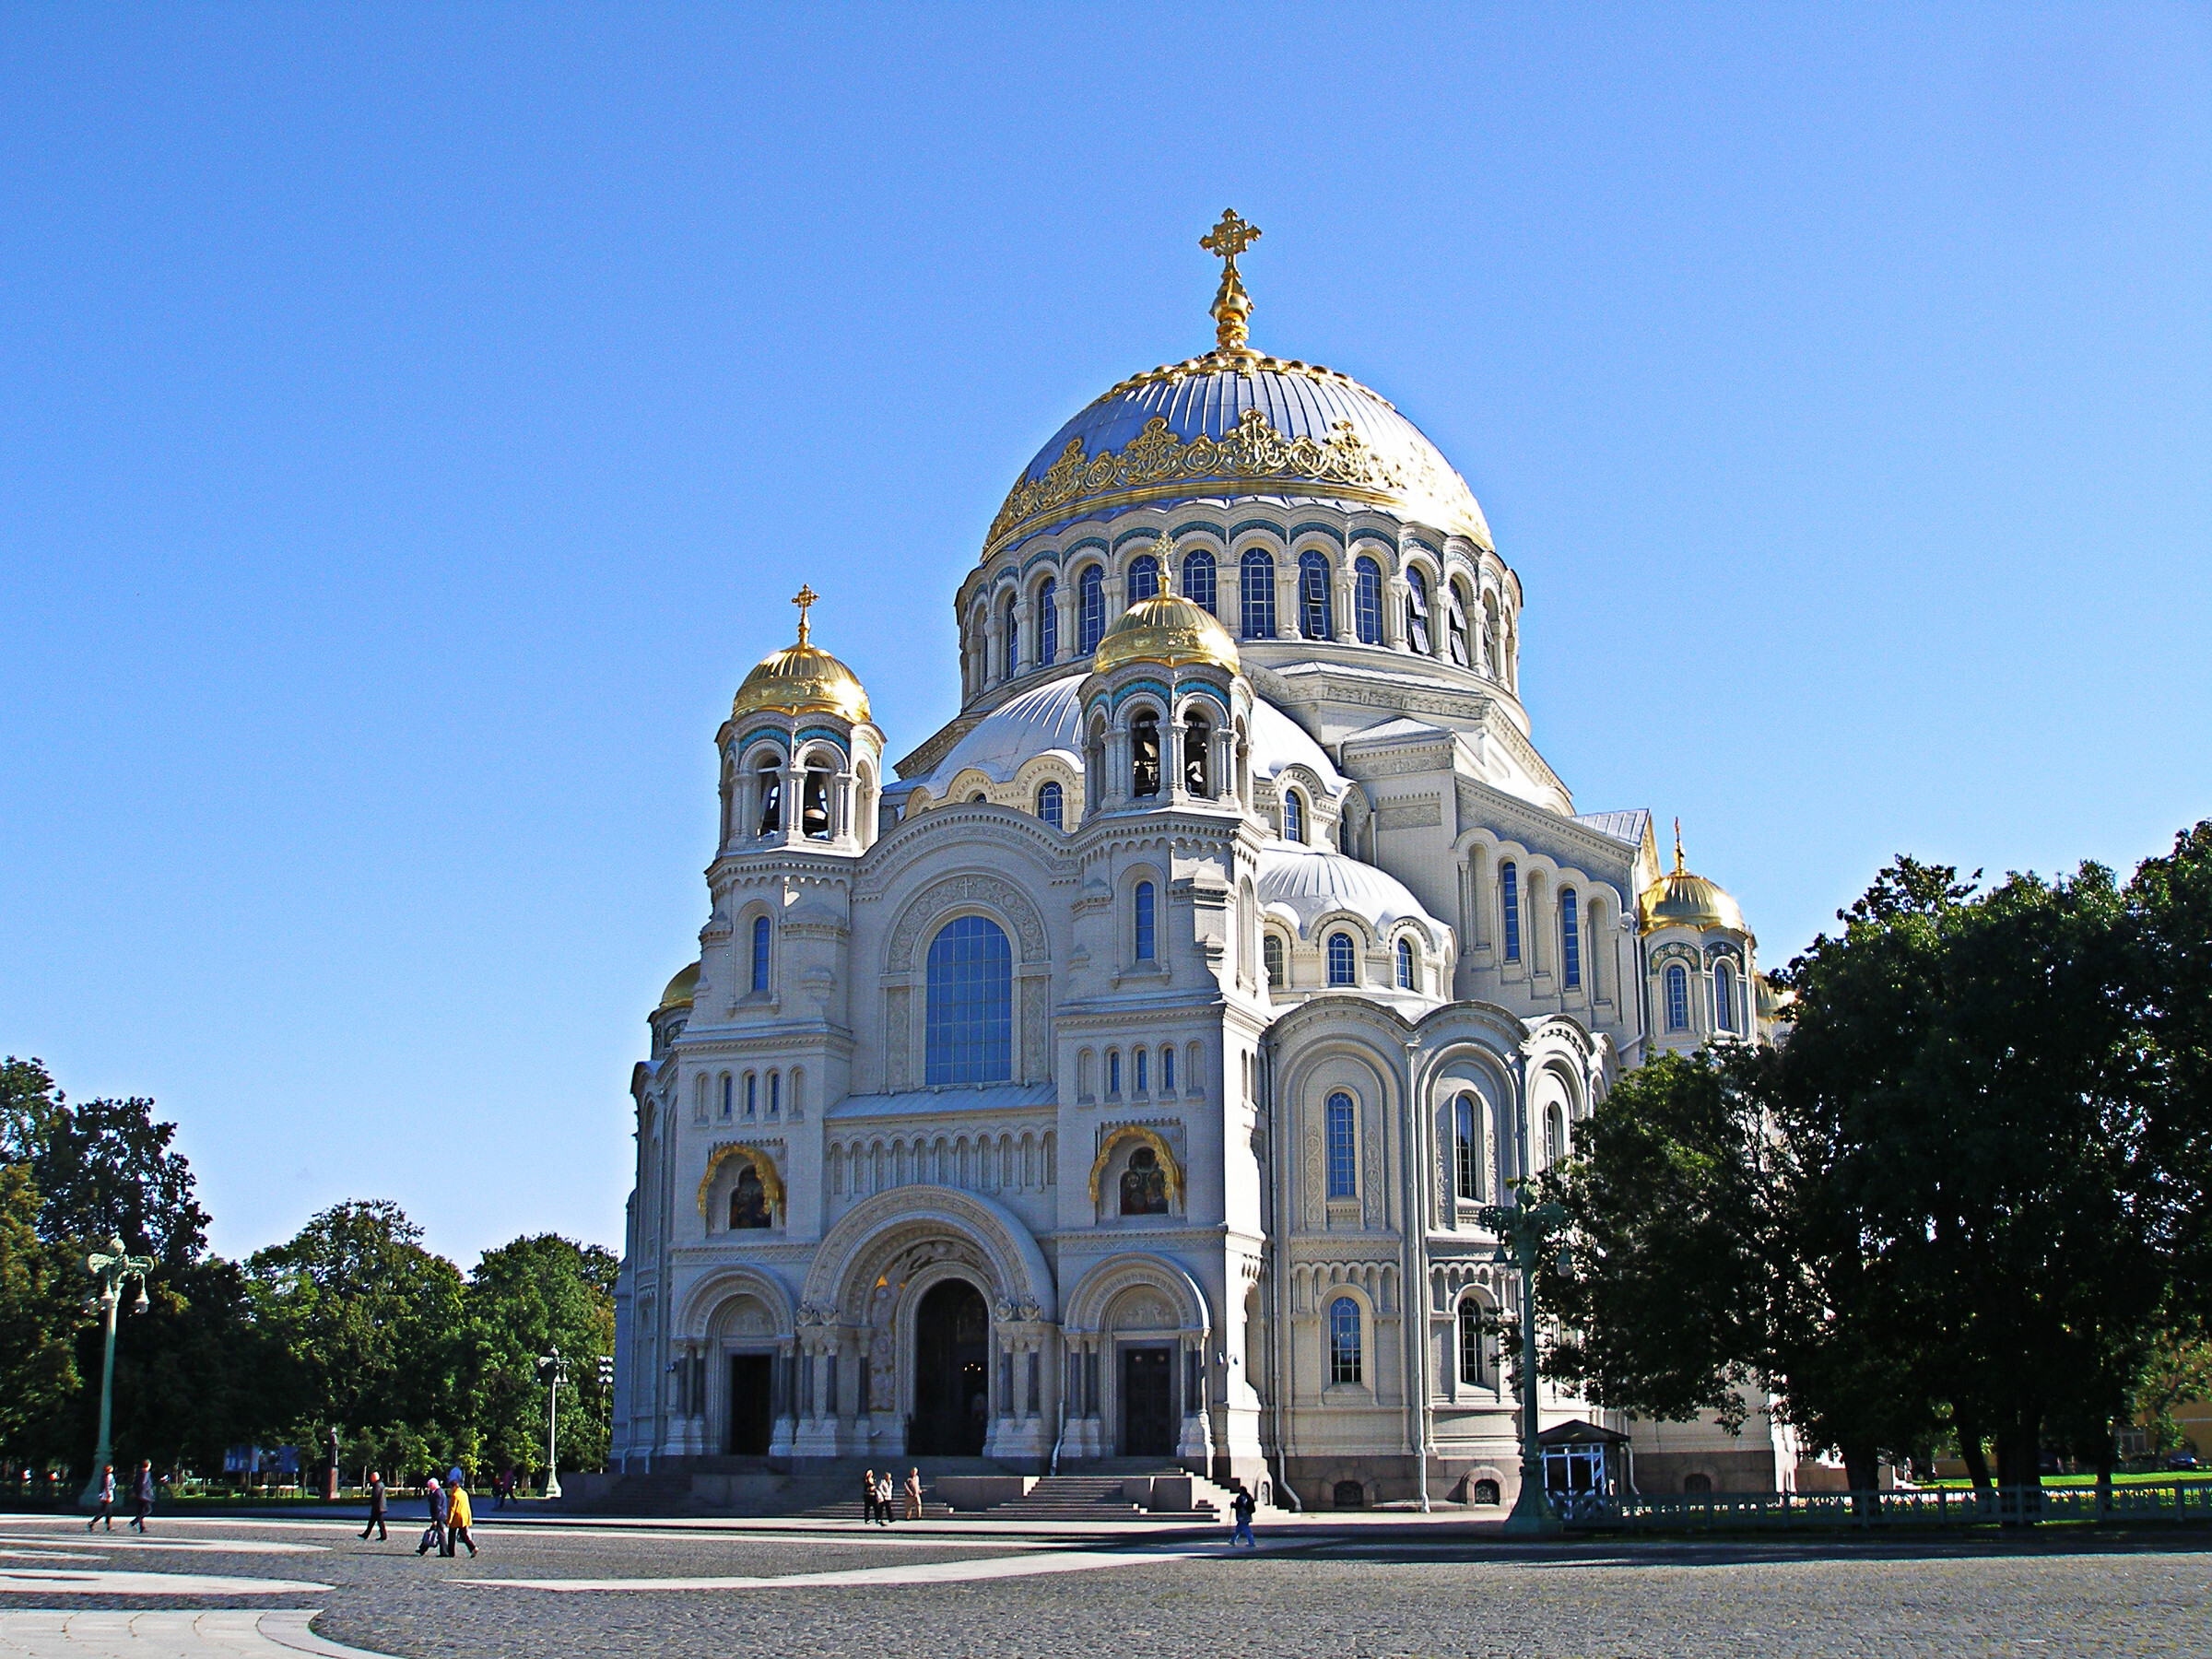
(1110, 1497)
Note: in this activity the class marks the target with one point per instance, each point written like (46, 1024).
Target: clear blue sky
(415, 422)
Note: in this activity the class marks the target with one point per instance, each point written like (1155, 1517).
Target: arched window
(1509, 908)
(970, 1022)
(1344, 1340)
(1678, 998)
(1143, 1071)
(1455, 619)
(752, 1094)
(1342, 959)
(1470, 1339)
(767, 777)
(1554, 1136)
(1144, 921)
(1271, 956)
(1144, 755)
(1144, 1184)
(1144, 578)
(1114, 1071)
(1090, 609)
(1049, 804)
(1048, 622)
(1724, 997)
(1166, 1071)
(775, 1094)
(1315, 617)
(748, 1201)
(1466, 1149)
(1258, 592)
(814, 805)
(1367, 601)
(759, 953)
(1571, 941)
(1416, 613)
(1294, 816)
(1198, 578)
(1344, 1148)
(1197, 747)
(1405, 965)
(726, 1097)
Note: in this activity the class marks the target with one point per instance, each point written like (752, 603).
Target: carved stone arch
(904, 1216)
(1095, 1294)
(974, 891)
(725, 1284)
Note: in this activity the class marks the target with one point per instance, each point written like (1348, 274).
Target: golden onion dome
(681, 989)
(802, 679)
(1681, 900)
(1166, 628)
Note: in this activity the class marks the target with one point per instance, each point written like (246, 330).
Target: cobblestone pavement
(1375, 1593)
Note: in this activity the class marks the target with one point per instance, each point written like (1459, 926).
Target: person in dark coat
(104, 1504)
(867, 1497)
(376, 1509)
(433, 1536)
(1243, 1508)
(143, 1491)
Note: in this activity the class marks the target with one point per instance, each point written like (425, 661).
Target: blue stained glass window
(1144, 578)
(1142, 1056)
(1678, 998)
(1166, 1071)
(1090, 609)
(725, 1094)
(1049, 804)
(969, 1024)
(752, 1094)
(1314, 606)
(1258, 620)
(1344, 1340)
(1344, 1148)
(1198, 578)
(1367, 601)
(759, 953)
(1466, 1148)
(1144, 922)
(1341, 959)
(775, 1094)
(1723, 996)
(1404, 964)
(1571, 941)
(1416, 613)
(1013, 633)
(1509, 905)
(1048, 622)
(1294, 817)
(1114, 1071)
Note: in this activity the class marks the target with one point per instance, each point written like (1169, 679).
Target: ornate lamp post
(555, 1369)
(1525, 1232)
(114, 1268)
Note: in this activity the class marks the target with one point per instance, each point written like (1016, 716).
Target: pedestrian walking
(433, 1536)
(499, 1491)
(1243, 1508)
(867, 1497)
(103, 1502)
(376, 1509)
(143, 1491)
(913, 1494)
(457, 1519)
(886, 1507)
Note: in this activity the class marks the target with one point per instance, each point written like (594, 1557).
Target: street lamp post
(1525, 1232)
(555, 1369)
(113, 1267)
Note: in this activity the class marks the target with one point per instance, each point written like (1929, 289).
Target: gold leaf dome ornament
(802, 679)
(1682, 899)
(1169, 629)
(681, 989)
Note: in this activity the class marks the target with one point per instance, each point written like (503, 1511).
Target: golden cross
(1677, 846)
(803, 599)
(1232, 305)
(1229, 237)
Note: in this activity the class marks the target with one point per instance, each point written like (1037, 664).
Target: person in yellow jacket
(457, 1519)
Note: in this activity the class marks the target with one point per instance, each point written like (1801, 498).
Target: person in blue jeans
(1243, 1508)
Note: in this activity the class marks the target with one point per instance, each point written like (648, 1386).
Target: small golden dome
(802, 679)
(1166, 628)
(1681, 900)
(680, 989)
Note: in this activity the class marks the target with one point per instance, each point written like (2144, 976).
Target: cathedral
(1123, 1072)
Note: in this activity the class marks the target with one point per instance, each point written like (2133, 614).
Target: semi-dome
(802, 679)
(681, 989)
(1169, 629)
(1682, 899)
(1044, 720)
(1303, 884)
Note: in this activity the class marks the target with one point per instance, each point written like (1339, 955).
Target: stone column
(1345, 616)
(1286, 601)
(1397, 592)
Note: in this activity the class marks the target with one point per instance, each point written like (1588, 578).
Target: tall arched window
(1294, 816)
(1678, 998)
(1571, 941)
(1455, 619)
(969, 1028)
(1344, 1148)
(1416, 613)
(1198, 578)
(1048, 623)
(814, 804)
(1197, 747)
(1314, 610)
(1143, 1071)
(775, 1094)
(1010, 627)
(1090, 609)
(1144, 755)
(1344, 1340)
(1724, 997)
(1144, 578)
(761, 934)
(1342, 959)
(1050, 804)
(1146, 941)
(1509, 908)
(1405, 965)
(1166, 1071)
(1466, 1149)
(752, 1094)
(768, 776)
(1367, 601)
(1271, 957)
(1554, 1136)
(1470, 1339)
(726, 1097)
(1257, 572)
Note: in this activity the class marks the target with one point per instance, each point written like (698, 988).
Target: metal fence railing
(2178, 1500)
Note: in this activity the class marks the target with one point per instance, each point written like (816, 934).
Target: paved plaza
(557, 1591)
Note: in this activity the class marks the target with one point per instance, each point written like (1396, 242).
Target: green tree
(2169, 902)
(39, 1311)
(104, 1169)
(522, 1300)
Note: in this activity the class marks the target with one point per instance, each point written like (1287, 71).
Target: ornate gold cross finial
(1677, 846)
(803, 599)
(1232, 305)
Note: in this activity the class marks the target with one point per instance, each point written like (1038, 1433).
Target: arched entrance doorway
(952, 1341)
